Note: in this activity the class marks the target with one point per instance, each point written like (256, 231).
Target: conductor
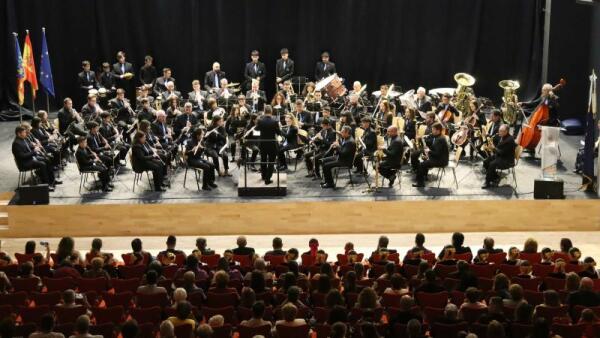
(269, 129)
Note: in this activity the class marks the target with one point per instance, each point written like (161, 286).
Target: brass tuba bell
(464, 79)
(464, 93)
(509, 105)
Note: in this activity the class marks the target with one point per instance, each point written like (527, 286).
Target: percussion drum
(332, 85)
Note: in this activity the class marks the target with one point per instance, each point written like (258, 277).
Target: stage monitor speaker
(548, 189)
(32, 195)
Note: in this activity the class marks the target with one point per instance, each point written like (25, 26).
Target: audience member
(46, 328)
(82, 327)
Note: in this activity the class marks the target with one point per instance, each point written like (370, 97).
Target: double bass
(531, 133)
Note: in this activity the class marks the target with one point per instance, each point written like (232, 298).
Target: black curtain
(407, 42)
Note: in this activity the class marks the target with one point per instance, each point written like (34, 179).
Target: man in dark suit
(503, 158)
(255, 70)
(393, 153)
(124, 74)
(186, 121)
(368, 141)
(212, 79)
(268, 126)
(198, 97)
(169, 93)
(144, 158)
(160, 85)
(322, 144)
(284, 68)
(89, 160)
(437, 155)
(256, 97)
(422, 101)
(346, 148)
(29, 157)
(99, 145)
(446, 111)
(148, 72)
(548, 98)
(108, 80)
(87, 79)
(324, 67)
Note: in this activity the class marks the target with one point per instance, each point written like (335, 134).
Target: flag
(29, 65)
(45, 68)
(20, 71)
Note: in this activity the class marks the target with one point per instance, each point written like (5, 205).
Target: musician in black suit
(324, 67)
(161, 129)
(29, 157)
(99, 145)
(256, 97)
(290, 140)
(114, 137)
(216, 141)
(87, 79)
(437, 155)
(169, 93)
(419, 139)
(144, 158)
(185, 122)
(368, 142)
(146, 112)
(124, 74)
(108, 80)
(91, 110)
(491, 130)
(268, 126)
(198, 97)
(124, 112)
(67, 116)
(346, 149)
(88, 160)
(356, 109)
(393, 155)
(284, 68)
(212, 79)
(193, 151)
(446, 106)
(548, 98)
(422, 101)
(160, 85)
(305, 118)
(46, 140)
(503, 158)
(322, 147)
(255, 70)
(148, 72)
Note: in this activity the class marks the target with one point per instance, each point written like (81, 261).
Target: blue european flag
(45, 68)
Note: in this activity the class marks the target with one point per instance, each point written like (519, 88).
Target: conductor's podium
(250, 184)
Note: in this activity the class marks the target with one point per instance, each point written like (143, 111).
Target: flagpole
(19, 101)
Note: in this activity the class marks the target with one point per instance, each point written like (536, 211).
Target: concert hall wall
(408, 42)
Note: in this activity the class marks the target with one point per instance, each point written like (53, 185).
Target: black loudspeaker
(32, 195)
(548, 189)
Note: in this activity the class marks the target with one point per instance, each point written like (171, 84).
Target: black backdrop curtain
(407, 42)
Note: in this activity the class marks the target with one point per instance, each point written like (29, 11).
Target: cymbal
(233, 84)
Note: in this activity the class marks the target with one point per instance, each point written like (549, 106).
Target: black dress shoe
(110, 184)
(392, 180)
(418, 185)
(107, 189)
(212, 185)
(267, 182)
(57, 182)
(327, 186)
(487, 185)
(50, 188)
(205, 187)
(161, 189)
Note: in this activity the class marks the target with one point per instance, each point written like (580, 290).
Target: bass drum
(333, 86)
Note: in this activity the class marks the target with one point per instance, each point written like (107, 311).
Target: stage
(299, 188)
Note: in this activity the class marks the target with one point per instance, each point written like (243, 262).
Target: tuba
(509, 106)
(464, 93)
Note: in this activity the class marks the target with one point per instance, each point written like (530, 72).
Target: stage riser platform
(308, 218)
